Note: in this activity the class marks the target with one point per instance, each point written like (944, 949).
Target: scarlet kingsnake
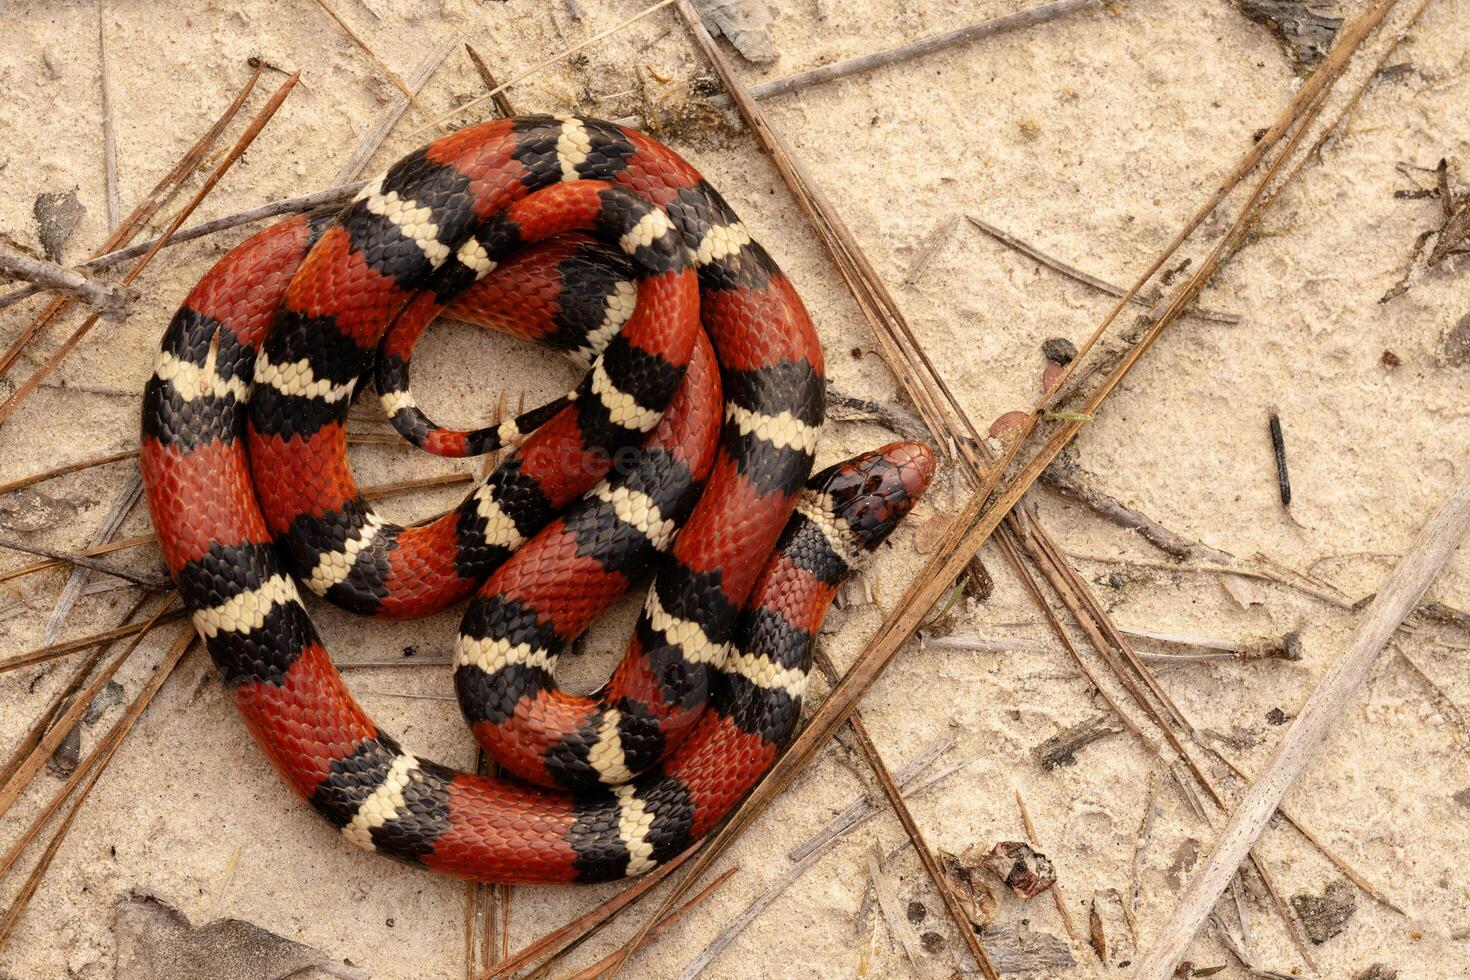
(699, 416)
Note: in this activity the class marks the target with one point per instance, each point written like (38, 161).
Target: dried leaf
(1026, 871)
(974, 896)
(746, 23)
(156, 942)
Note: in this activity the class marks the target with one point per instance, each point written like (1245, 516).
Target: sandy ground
(1092, 137)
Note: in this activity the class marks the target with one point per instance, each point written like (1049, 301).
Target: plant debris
(1278, 449)
(745, 23)
(1455, 347)
(156, 942)
(974, 896)
(1018, 949)
(1301, 25)
(1059, 350)
(57, 215)
(1326, 915)
(1097, 936)
(1025, 871)
(1452, 237)
(1061, 749)
(887, 892)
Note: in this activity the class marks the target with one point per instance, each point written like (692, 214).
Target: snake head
(869, 494)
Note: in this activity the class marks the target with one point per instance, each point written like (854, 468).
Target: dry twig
(111, 300)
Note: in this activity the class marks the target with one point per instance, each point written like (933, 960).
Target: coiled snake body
(684, 449)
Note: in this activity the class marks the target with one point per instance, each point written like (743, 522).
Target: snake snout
(871, 493)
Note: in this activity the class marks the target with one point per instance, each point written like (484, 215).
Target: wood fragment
(899, 926)
(27, 387)
(1278, 449)
(1061, 749)
(1431, 550)
(112, 301)
(1065, 476)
